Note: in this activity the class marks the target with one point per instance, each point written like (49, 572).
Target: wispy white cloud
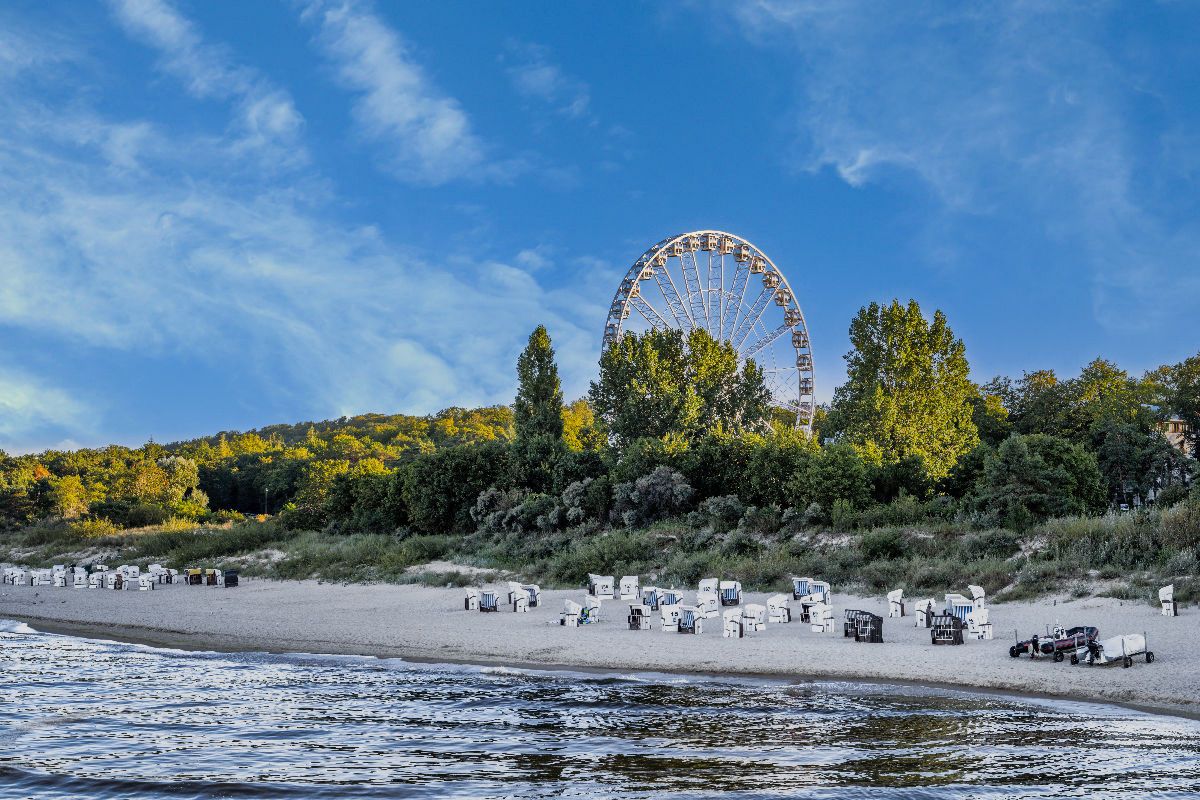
(1017, 112)
(28, 403)
(424, 134)
(535, 76)
(265, 114)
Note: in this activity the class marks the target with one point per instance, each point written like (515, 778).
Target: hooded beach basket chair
(708, 604)
(629, 587)
(669, 616)
(820, 617)
(650, 597)
(896, 603)
(799, 587)
(733, 627)
(779, 608)
(639, 617)
(489, 601)
(690, 620)
(573, 614)
(946, 629)
(978, 596)
(979, 624)
(870, 628)
(471, 599)
(731, 593)
(754, 616)
(1166, 596)
(600, 586)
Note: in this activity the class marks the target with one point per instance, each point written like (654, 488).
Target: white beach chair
(145, 582)
(131, 574)
(489, 601)
(629, 587)
(1166, 596)
(733, 627)
(896, 603)
(514, 591)
(651, 597)
(820, 618)
(925, 610)
(96, 580)
(779, 608)
(471, 600)
(600, 586)
(690, 620)
(820, 591)
(731, 593)
(113, 579)
(670, 597)
(58, 575)
(572, 615)
(754, 617)
(41, 577)
(979, 626)
(172, 575)
(978, 596)
(594, 607)
(709, 585)
(520, 603)
(19, 577)
(639, 617)
(959, 606)
(708, 604)
(799, 587)
(79, 578)
(670, 617)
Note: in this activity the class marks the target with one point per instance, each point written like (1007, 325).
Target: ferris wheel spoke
(740, 278)
(695, 293)
(678, 309)
(650, 313)
(716, 294)
(752, 316)
(766, 340)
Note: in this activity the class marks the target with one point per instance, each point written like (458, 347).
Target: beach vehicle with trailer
(1119, 648)
(1058, 643)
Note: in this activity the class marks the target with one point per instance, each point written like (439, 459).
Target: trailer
(1119, 648)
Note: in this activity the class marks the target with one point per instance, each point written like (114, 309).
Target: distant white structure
(1166, 596)
(779, 608)
(600, 586)
(629, 587)
(896, 603)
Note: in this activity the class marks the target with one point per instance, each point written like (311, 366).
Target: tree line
(671, 426)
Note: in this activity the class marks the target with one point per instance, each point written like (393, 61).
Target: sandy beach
(429, 624)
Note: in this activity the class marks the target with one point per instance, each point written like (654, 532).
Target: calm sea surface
(83, 718)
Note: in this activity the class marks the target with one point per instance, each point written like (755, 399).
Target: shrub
(662, 493)
(93, 528)
(722, 513)
(886, 545)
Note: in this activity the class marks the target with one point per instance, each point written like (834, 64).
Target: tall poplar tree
(538, 410)
(907, 391)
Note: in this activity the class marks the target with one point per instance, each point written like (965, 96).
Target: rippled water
(104, 719)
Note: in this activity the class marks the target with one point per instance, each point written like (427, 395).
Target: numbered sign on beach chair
(600, 586)
(639, 617)
(731, 593)
(670, 615)
(629, 587)
(709, 585)
(779, 608)
(896, 603)
(733, 627)
(1166, 596)
(754, 617)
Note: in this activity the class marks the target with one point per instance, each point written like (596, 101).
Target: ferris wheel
(709, 280)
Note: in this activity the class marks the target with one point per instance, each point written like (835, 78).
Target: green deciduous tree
(661, 382)
(907, 391)
(538, 410)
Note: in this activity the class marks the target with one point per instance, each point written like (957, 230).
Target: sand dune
(430, 624)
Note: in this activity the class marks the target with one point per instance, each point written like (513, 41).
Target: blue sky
(218, 216)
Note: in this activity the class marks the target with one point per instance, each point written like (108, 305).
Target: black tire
(1058, 657)
(1127, 663)
(1013, 651)
(1149, 657)
(1074, 660)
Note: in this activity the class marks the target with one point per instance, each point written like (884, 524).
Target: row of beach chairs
(124, 577)
(518, 597)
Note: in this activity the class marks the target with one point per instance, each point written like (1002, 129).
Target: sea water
(102, 719)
